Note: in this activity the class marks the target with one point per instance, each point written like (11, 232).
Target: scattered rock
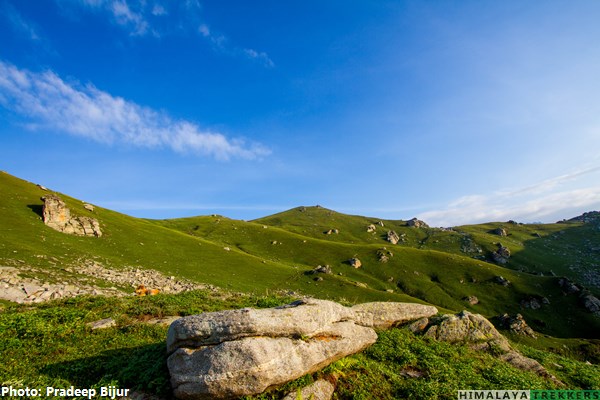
(531, 302)
(332, 231)
(322, 269)
(57, 216)
(88, 207)
(371, 228)
(590, 302)
(355, 262)
(43, 187)
(380, 223)
(419, 325)
(516, 324)
(568, 286)
(501, 255)
(318, 279)
(319, 390)
(102, 324)
(233, 353)
(392, 237)
(472, 300)
(499, 232)
(467, 327)
(416, 223)
(383, 255)
(500, 280)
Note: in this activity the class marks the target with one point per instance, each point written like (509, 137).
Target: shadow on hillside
(37, 208)
(141, 368)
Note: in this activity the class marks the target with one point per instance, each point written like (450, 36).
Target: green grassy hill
(276, 253)
(267, 262)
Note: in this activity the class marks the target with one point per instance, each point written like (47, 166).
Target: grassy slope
(274, 253)
(50, 345)
(429, 266)
(442, 277)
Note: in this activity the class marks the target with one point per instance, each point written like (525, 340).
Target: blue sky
(455, 111)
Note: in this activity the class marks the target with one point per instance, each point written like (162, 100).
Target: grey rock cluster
(228, 354)
(355, 262)
(476, 329)
(19, 289)
(587, 300)
(500, 232)
(416, 223)
(133, 277)
(516, 324)
(57, 216)
(501, 255)
(17, 285)
(392, 237)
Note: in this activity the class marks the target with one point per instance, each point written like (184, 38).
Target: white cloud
(545, 201)
(260, 56)
(159, 10)
(48, 102)
(125, 16)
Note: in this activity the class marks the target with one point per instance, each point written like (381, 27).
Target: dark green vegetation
(272, 255)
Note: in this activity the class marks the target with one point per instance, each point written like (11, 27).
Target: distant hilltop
(587, 217)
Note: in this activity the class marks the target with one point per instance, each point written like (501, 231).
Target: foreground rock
(319, 390)
(57, 216)
(233, 353)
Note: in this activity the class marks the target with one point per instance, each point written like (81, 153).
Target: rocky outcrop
(516, 324)
(500, 280)
(501, 255)
(568, 286)
(472, 300)
(233, 353)
(321, 269)
(355, 262)
(383, 255)
(57, 216)
(416, 223)
(371, 228)
(392, 237)
(475, 329)
(499, 232)
(17, 285)
(590, 302)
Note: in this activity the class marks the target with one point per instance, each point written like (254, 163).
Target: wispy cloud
(221, 44)
(48, 102)
(18, 22)
(142, 18)
(542, 201)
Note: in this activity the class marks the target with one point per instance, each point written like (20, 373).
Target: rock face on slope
(501, 255)
(233, 353)
(392, 237)
(474, 328)
(516, 324)
(57, 216)
(416, 223)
